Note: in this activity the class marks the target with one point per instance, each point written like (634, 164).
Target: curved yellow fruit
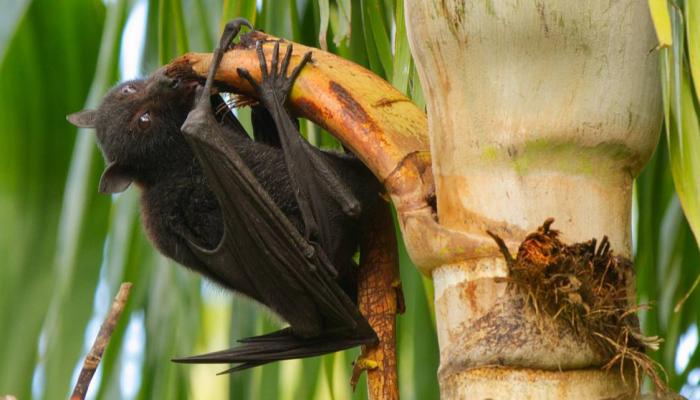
(380, 125)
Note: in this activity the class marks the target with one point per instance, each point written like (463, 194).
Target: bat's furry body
(139, 131)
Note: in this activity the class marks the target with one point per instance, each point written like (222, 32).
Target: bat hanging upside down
(274, 218)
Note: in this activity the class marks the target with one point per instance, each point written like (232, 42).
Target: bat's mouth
(189, 87)
(183, 76)
(224, 97)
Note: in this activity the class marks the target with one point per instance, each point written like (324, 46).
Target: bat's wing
(310, 171)
(264, 129)
(261, 249)
(280, 345)
(263, 255)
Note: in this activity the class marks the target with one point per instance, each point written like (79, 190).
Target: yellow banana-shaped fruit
(380, 125)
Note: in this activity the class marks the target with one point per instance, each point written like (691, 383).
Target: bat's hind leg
(201, 119)
(230, 32)
(302, 159)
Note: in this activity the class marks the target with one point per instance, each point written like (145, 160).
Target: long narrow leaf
(42, 57)
(324, 12)
(662, 21)
(13, 13)
(692, 25)
(683, 125)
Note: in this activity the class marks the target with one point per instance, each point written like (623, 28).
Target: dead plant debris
(585, 286)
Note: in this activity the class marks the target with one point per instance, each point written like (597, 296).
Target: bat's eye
(128, 89)
(145, 120)
(175, 83)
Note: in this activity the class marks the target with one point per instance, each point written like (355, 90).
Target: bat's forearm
(292, 141)
(292, 145)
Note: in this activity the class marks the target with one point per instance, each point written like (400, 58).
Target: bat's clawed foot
(361, 365)
(275, 85)
(231, 30)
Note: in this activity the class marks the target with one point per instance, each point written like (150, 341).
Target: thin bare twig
(92, 360)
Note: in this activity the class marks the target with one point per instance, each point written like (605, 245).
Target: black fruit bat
(274, 218)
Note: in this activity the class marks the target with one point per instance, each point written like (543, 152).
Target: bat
(275, 218)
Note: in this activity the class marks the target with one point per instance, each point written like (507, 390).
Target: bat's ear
(114, 179)
(83, 119)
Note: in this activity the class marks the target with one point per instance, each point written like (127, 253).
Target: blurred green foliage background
(65, 248)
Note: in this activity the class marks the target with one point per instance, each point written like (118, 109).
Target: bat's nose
(163, 80)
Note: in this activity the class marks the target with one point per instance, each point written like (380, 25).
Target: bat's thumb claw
(197, 121)
(309, 252)
(352, 209)
(236, 24)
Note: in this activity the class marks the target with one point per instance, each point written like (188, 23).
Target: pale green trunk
(536, 109)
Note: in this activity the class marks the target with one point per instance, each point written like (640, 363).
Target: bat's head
(138, 128)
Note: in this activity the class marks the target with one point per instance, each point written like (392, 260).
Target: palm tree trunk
(536, 109)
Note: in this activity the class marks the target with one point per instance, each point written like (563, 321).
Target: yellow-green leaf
(662, 21)
(692, 26)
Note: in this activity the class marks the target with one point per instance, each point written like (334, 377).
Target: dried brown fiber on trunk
(585, 286)
(380, 299)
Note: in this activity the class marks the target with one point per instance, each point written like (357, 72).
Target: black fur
(176, 200)
(140, 128)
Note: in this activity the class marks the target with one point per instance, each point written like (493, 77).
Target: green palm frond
(66, 248)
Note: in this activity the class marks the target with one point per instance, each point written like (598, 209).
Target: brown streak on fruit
(388, 102)
(352, 107)
(305, 107)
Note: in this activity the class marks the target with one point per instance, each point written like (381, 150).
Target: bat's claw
(276, 83)
(231, 30)
(361, 365)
